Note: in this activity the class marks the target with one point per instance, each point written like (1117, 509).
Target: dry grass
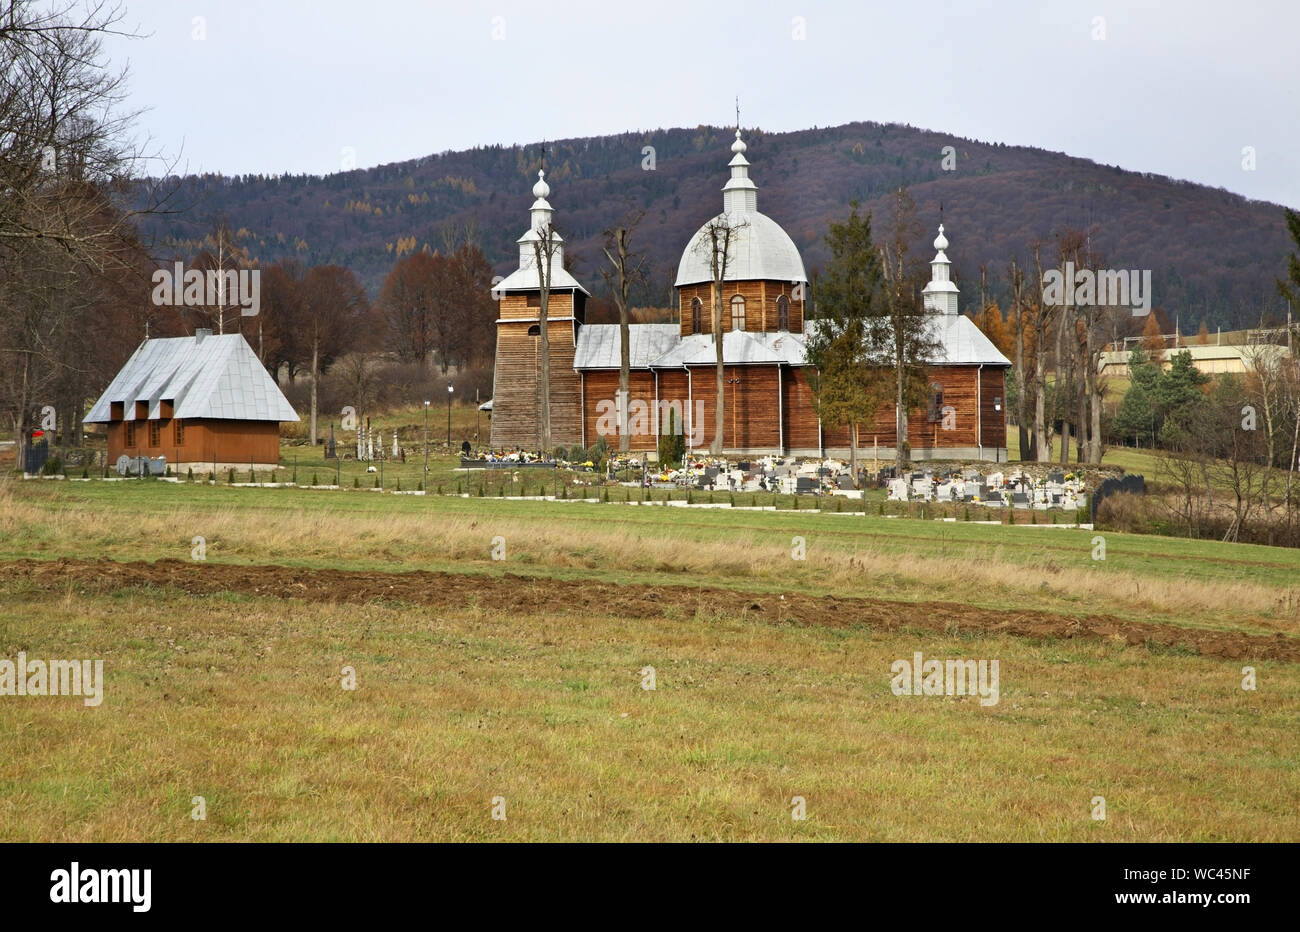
(989, 566)
(240, 701)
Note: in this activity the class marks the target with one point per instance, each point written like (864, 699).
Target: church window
(534, 331)
(737, 313)
(936, 401)
(782, 313)
(697, 315)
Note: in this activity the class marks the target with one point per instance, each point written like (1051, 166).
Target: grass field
(522, 678)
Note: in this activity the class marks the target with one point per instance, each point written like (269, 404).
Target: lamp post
(450, 388)
(426, 437)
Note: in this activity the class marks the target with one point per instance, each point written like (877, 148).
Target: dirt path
(525, 595)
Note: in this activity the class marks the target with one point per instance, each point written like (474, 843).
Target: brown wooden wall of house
(202, 441)
(801, 425)
(516, 404)
(751, 418)
(761, 313)
(960, 384)
(524, 306)
(602, 385)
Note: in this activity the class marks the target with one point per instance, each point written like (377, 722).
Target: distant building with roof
(768, 403)
(199, 401)
(1211, 359)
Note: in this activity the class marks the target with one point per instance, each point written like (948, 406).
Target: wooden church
(768, 406)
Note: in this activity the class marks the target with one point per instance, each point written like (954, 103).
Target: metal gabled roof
(963, 343)
(215, 377)
(598, 345)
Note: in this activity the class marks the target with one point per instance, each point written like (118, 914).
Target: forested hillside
(1214, 255)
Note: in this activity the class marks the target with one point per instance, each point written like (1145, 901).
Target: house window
(697, 315)
(155, 433)
(130, 434)
(782, 313)
(936, 401)
(737, 313)
(535, 330)
(534, 300)
(178, 433)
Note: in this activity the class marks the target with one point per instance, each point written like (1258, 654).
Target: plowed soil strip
(523, 596)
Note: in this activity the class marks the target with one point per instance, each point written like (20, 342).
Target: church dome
(759, 248)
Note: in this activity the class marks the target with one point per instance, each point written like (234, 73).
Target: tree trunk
(624, 377)
(719, 419)
(315, 378)
(902, 450)
(1042, 452)
(1022, 387)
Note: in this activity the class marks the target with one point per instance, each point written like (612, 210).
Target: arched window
(697, 314)
(737, 313)
(782, 313)
(535, 331)
(936, 402)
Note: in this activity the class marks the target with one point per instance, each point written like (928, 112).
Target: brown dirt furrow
(530, 595)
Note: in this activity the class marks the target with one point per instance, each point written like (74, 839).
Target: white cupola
(940, 295)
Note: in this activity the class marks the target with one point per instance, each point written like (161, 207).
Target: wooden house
(203, 401)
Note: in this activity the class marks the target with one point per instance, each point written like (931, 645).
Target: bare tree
(1017, 279)
(624, 271)
(545, 246)
(716, 242)
(334, 305)
(901, 335)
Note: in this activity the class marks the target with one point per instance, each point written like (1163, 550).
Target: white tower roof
(759, 248)
(525, 278)
(940, 295)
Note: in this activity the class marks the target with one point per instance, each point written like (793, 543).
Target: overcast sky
(266, 86)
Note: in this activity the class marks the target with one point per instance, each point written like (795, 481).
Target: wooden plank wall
(760, 306)
(750, 415)
(602, 385)
(515, 396)
(959, 390)
(226, 441)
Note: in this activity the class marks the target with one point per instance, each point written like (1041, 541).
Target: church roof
(204, 376)
(598, 345)
(659, 346)
(759, 248)
(526, 277)
(963, 343)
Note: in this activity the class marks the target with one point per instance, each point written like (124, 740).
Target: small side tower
(517, 382)
(940, 296)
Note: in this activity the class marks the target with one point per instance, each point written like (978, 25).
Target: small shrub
(399, 485)
(85, 473)
(53, 466)
(189, 476)
(356, 482)
(212, 477)
(376, 482)
(419, 486)
(604, 495)
(232, 475)
(314, 480)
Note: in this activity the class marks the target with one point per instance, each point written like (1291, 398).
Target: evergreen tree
(848, 388)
